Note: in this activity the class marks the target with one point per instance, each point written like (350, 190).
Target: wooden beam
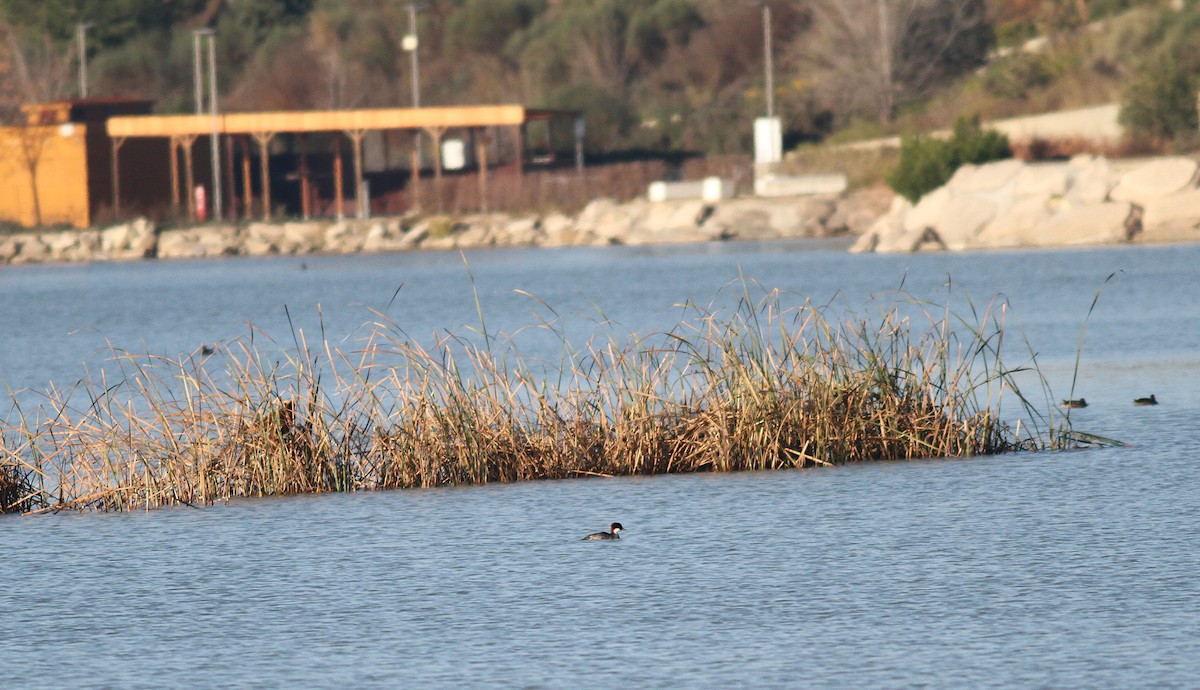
(356, 137)
(415, 182)
(174, 145)
(305, 191)
(230, 185)
(264, 143)
(339, 204)
(189, 174)
(316, 120)
(481, 157)
(117, 143)
(247, 195)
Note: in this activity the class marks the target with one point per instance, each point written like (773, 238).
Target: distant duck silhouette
(1146, 401)
(612, 533)
(206, 350)
(1082, 402)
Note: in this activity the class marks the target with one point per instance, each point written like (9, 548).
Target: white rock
(888, 234)
(1043, 180)
(1014, 227)
(33, 250)
(989, 177)
(961, 220)
(301, 238)
(1096, 224)
(1154, 179)
(667, 216)
(116, 238)
(1169, 217)
(557, 231)
(476, 235)
(181, 245)
(928, 210)
(1094, 178)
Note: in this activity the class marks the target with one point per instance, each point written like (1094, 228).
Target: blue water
(1034, 570)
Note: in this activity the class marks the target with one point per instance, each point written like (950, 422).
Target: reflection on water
(1075, 569)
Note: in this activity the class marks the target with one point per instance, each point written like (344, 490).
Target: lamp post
(81, 42)
(768, 63)
(410, 43)
(214, 146)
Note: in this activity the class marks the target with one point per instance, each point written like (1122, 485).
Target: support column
(189, 174)
(305, 200)
(436, 134)
(415, 182)
(174, 144)
(481, 157)
(117, 143)
(339, 204)
(247, 195)
(264, 142)
(356, 137)
(519, 145)
(230, 185)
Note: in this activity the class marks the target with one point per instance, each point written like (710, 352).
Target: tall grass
(759, 386)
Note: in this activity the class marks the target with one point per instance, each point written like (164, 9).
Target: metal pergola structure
(182, 131)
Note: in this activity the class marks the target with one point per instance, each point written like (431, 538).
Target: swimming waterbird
(1082, 402)
(1146, 401)
(611, 534)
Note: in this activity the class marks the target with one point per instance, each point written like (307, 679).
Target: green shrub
(1016, 75)
(927, 163)
(1161, 103)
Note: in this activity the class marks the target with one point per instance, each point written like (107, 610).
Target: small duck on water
(612, 533)
(1146, 401)
(1082, 402)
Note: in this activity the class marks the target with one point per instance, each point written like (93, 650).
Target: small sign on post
(768, 140)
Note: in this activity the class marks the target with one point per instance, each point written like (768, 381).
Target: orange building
(56, 169)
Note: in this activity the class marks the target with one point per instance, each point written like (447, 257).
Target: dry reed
(753, 388)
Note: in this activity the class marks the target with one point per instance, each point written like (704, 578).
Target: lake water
(1073, 569)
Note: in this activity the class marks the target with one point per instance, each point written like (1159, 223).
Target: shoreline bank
(1086, 201)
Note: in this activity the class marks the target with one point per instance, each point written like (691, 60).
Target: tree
(1161, 103)
(878, 55)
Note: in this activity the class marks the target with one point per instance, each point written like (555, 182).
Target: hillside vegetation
(651, 75)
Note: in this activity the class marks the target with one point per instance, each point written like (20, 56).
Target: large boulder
(1015, 227)
(990, 177)
(928, 210)
(1109, 222)
(1043, 180)
(962, 219)
(301, 238)
(1173, 217)
(1093, 179)
(1154, 179)
(857, 211)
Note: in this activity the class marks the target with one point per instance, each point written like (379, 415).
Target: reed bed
(755, 387)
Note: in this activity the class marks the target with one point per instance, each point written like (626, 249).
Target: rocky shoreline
(603, 222)
(1087, 200)
(1084, 201)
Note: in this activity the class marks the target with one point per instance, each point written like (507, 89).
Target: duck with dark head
(612, 533)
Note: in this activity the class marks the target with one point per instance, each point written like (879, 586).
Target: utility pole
(214, 142)
(768, 62)
(196, 66)
(81, 41)
(410, 44)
